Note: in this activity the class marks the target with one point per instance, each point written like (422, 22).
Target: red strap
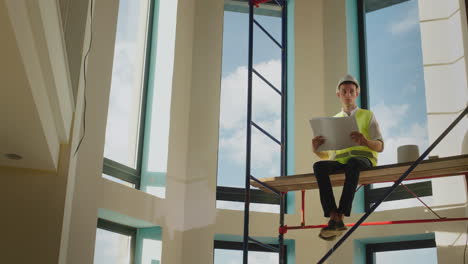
(417, 197)
(257, 2)
(384, 223)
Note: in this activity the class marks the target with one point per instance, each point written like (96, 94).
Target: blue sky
(396, 77)
(266, 106)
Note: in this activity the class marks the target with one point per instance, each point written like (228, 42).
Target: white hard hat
(347, 78)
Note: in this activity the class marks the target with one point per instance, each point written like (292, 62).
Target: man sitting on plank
(350, 160)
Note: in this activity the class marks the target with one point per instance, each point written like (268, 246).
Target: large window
(123, 145)
(115, 244)
(402, 252)
(231, 252)
(392, 74)
(137, 132)
(122, 244)
(266, 105)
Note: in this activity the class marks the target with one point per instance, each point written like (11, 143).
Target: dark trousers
(322, 171)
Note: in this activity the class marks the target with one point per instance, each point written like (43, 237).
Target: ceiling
(29, 123)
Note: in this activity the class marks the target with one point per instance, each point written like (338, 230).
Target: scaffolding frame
(282, 142)
(283, 229)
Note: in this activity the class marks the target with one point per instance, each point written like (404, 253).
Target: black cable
(85, 63)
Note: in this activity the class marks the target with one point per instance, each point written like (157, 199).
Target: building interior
(125, 136)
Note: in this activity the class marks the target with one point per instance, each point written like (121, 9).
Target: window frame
(396, 246)
(120, 229)
(372, 195)
(237, 194)
(422, 189)
(234, 245)
(116, 169)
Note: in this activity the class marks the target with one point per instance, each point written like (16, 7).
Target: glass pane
(270, 20)
(151, 252)
(227, 256)
(232, 131)
(266, 156)
(266, 53)
(396, 83)
(159, 99)
(409, 256)
(112, 248)
(396, 77)
(161, 84)
(266, 105)
(123, 121)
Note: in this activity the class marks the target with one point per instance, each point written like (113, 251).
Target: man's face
(347, 94)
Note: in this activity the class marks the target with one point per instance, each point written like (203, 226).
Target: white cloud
(389, 116)
(266, 113)
(122, 95)
(265, 152)
(234, 94)
(391, 120)
(416, 135)
(409, 22)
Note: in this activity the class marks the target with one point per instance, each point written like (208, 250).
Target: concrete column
(200, 196)
(90, 155)
(446, 85)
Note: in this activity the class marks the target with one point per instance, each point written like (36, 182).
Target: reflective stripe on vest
(363, 118)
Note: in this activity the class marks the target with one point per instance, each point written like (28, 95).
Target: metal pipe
(268, 34)
(266, 133)
(281, 235)
(303, 208)
(249, 135)
(267, 82)
(284, 105)
(265, 185)
(272, 248)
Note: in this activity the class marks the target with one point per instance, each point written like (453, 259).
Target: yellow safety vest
(363, 118)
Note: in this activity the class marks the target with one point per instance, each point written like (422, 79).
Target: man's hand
(359, 138)
(317, 142)
(375, 145)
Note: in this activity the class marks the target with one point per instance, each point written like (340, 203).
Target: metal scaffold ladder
(250, 123)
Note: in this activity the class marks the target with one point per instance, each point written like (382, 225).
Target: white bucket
(408, 153)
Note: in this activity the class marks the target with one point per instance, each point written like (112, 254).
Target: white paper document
(335, 130)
